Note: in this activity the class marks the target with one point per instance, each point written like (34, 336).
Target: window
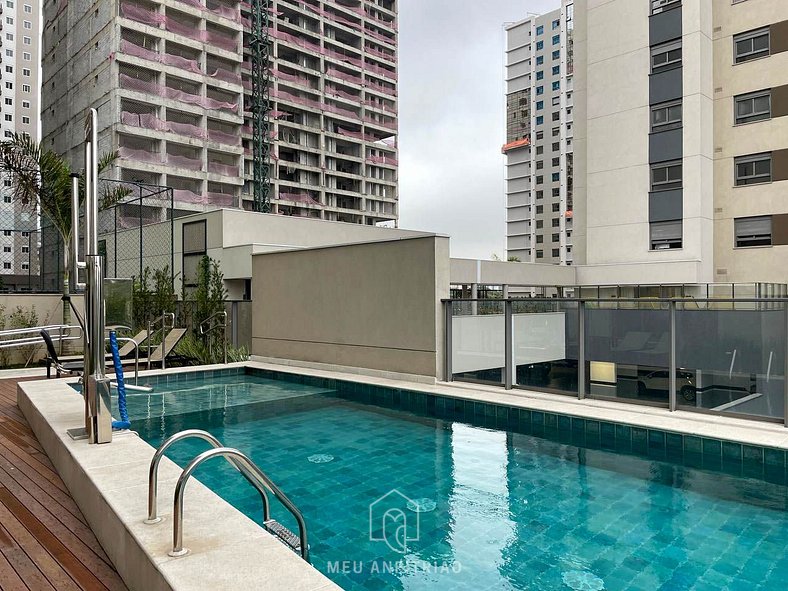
(539, 105)
(539, 29)
(556, 24)
(556, 207)
(6, 198)
(9, 20)
(539, 60)
(666, 116)
(750, 46)
(665, 56)
(9, 3)
(540, 135)
(28, 25)
(25, 72)
(539, 224)
(556, 86)
(665, 235)
(539, 239)
(25, 104)
(556, 70)
(25, 266)
(540, 209)
(755, 106)
(754, 231)
(556, 131)
(556, 222)
(25, 88)
(28, 9)
(9, 36)
(26, 56)
(26, 40)
(194, 248)
(556, 101)
(8, 117)
(6, 265)
(666, 176)
(539, 181)
(540, 75)
(9, 53)
(556, 177)
(6, 232)
(556, 146)
(539, 164)
(25, 234)
(556, 192)
(6, 249)
(539, 254)
(9, 69)
(556, 116)
(556, 237)
(539, 45)
(25, 120)
(9, 101)
(556, 39)
(539, 150)
(556, 162)
(658, 6)
(25, 249)
(9, 85)
(556, 253)
(557, 54)
(539, 194)
(539, 119)
(750, 170)
(539, 90)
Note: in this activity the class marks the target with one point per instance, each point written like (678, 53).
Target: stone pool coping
(745, 431)
(109, 484)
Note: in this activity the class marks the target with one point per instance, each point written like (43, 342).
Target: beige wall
(371, 305)
(502, 272)
(761, 263)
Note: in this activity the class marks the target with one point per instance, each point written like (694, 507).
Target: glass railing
(715, 355)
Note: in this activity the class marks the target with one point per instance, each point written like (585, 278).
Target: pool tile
(752, 453)
(712, 448)
(693, 444)
(773, 457)
(731, 452)
(656, 441)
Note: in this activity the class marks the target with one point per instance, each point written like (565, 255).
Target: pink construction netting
(224, 169)
(222, 137)
(186, 162)
(131, 83)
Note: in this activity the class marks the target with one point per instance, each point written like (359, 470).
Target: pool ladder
(249, 470)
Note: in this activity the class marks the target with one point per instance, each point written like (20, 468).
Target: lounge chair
(69, 367)
(165, 349)
(125, 351)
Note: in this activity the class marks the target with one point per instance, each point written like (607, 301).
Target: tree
(41, 182)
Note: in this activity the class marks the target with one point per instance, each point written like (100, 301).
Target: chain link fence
(134, 233)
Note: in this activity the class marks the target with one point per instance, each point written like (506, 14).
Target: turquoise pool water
(496, 510)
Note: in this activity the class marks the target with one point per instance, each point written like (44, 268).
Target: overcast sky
(451, 118)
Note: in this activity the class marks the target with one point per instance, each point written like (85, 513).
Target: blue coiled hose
(123, 423)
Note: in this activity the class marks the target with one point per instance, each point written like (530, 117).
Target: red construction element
(516, 144)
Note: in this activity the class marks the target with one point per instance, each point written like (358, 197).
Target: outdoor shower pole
(96, 387)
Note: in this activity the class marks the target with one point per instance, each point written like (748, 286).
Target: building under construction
(174, 88)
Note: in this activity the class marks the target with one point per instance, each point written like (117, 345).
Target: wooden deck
(45, 542)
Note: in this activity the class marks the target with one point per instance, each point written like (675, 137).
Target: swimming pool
(539, 504)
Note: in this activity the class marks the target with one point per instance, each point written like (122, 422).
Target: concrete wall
(501, 272)
(369, 305)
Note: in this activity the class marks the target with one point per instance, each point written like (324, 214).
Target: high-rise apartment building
(681, 139)
(19, 75)
(538, 148)
(171, 80)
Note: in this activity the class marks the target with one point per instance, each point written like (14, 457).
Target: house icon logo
(391, 522)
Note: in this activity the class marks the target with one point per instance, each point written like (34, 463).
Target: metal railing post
(447, 345)
(163, 340)
(508, 345)
(785, 370)
(672, 380)
(581, 350)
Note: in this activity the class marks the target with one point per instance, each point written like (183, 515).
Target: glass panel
(628, 350)
(545, 345)
(478, 341)
(732, 357)
(760, 43)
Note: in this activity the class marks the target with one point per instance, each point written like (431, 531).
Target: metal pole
(115, 211)
(508, 348)
(447, 345)
(139, 208)
(163, 340)
(672, 380)
(785, 370)
(581, 350)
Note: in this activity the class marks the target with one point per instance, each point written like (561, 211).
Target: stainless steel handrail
(223, 325)
(228, 452)
(55, 331)
(163, 329)
(153, 474)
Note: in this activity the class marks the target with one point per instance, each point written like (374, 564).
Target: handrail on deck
(259, 475)
(163, 328)
(211, 326)
(58, 332)
(153, 474)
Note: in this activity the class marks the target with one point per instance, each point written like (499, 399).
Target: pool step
(284, 534)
